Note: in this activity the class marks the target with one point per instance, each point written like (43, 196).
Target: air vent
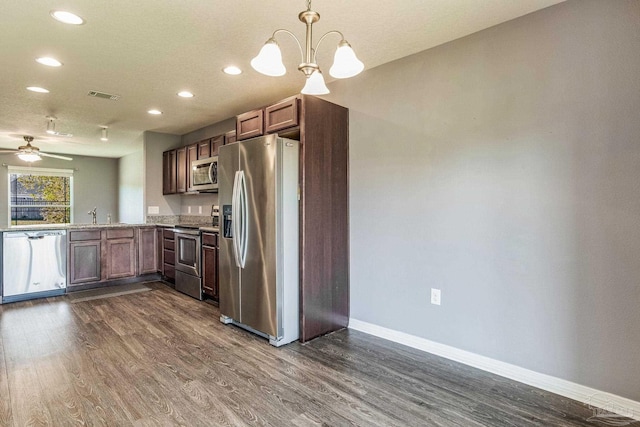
(103, 95)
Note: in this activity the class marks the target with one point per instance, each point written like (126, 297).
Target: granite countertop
(72, 226)
(210, 229)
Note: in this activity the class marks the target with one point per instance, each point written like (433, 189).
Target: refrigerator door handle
(244, 225)
(235, 218)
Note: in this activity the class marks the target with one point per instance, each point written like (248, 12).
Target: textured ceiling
(148, 50)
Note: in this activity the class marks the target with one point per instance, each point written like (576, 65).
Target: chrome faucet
(93, 215)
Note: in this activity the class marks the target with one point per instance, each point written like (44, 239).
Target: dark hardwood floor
(161, 358)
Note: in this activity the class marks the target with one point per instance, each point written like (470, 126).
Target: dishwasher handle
(35, 237)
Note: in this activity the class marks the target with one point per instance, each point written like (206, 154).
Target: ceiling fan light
(315, 85)
(345, 62)
(29, 157)
(269, 60)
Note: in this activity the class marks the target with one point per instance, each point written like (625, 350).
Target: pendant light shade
(315, 85)
(269, 60)
(345, 62)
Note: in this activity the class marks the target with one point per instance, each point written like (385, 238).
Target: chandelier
(345, 62)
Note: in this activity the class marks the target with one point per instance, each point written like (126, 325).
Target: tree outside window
(39, 196)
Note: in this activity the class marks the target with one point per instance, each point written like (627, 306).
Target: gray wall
(131, 187)
(503, 169)
(95, 183)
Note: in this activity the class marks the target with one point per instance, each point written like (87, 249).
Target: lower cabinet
(98, 255)
(147, 251)
(168, 255)
(210, 265)
(84, 261)
(121, 258)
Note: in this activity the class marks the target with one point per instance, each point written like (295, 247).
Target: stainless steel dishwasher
(34, 264)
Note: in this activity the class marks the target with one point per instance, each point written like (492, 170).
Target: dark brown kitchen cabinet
(204, 149)
(324, 217)
(181, 170)
(192, 154)
(147, 250)
(100, 255)
(121, 260)
(230, 137)
(168, 255)
(169, 172)
(84, 261)
(210, 265)
(249, 125)
(159, 261)
(282, 115)
(216, 143)
(120, 253)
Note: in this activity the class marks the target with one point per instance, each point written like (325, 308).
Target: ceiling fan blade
(8, 151)
(55, 156)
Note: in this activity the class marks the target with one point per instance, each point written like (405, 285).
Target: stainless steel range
(188, 276)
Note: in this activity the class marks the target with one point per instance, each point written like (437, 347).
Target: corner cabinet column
(324, 217)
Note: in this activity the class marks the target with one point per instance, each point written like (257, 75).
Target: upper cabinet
(169, 172)
(282, 115)
(181, 170)
(192, 154)
(176, 163)
(230, 137)
(271, 119)
(249, 125)
(204, 149)
(216, 143)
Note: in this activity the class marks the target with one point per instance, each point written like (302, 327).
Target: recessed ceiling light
(155, 112)
(51, 62)
(37, 89)
(66, 17)
(232, 70)
(185, 94)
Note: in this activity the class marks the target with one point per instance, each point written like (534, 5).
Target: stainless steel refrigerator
(258, 195)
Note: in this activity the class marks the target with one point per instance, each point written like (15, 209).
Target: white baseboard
(587, 395)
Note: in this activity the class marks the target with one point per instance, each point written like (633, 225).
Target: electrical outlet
(199, 209)
(188, 209)
(435, 296)
(151, 210)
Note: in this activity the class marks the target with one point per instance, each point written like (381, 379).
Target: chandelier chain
(308, 4)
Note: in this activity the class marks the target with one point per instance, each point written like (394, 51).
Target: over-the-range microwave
(204, 174)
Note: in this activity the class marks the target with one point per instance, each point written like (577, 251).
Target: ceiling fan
(29, 153)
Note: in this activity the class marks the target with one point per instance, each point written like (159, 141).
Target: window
(40, 196)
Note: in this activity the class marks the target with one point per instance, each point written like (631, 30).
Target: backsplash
(179, 219)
